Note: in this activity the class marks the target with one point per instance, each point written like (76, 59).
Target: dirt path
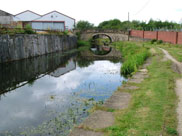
(178, 89)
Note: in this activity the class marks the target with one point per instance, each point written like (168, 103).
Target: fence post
(176, 37)
(143, 34)
(157, 35)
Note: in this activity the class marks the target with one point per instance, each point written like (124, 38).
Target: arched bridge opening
(102, 36)
(101, 44)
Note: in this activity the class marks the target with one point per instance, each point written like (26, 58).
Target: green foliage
(134, 61)
(111, 24)
(78, 34)
(66, 32)
(82, 62)
(153, 41)
(28, 29)
(18, 30)
(83, 43)
(138, 25)
(159, 42)
(172, 131)
(133, 56)
(82, 25)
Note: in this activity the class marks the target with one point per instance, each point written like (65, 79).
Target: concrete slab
(119, 100)
(130, 87)
(98, 120)
(135, 80)
(82, 132)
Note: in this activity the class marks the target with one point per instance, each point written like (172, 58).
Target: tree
(111, 24)
(82, 25)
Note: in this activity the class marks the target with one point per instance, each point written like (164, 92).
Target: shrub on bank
(28, 30)
(133, 56)
(18, 30)
(133, 62)
(83, 43)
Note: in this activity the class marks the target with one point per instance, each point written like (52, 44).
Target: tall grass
(81, 43)
(133, 55)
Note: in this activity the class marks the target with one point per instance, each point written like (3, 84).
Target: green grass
(81, 43)
(174, 50)
(152, 111)
(133, 56)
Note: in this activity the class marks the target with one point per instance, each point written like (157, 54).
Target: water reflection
(18, 73)
(59, 93)
(101, 44)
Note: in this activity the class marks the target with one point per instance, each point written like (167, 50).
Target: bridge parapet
(102, 31)
(115, 35)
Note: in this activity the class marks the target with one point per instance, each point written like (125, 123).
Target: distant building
(50, 21)
(26, 17)
(54, 21)
(6, 19)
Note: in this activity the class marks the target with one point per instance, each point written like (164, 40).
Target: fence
(171, 37)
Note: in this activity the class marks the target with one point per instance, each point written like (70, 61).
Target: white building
(26, 17)
(55, 21)
(50, 21)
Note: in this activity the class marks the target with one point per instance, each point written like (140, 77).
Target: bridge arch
(95, 36)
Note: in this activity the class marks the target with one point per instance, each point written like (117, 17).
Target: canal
(49, 95)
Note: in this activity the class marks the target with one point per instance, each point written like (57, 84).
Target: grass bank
(134, 55)
(152, 110)
(83, 45)
(174, 50)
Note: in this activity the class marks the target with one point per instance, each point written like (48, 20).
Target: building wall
(6, 20)
(3, 13)
(21, 46)
(56, 16)
(26, 16)
(48, 25)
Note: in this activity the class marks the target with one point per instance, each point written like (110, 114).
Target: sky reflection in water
(31, 105)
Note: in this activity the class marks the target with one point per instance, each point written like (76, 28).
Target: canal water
(50, 94)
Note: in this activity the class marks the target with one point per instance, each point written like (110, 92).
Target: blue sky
(96, 11)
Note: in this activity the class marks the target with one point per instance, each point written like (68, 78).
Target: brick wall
(179, 40)
(171, 37)
(150, 35)
(167, 36)
(137, 33)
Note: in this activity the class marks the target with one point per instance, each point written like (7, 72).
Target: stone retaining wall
(21, 46)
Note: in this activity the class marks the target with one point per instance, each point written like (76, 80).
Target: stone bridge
(113, 35)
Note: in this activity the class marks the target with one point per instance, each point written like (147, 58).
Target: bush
(159, 42)
(66, 32)
(83, 25)
(78, 34)
(133, 62)
(28, 29)
(153, 41)
(83, 43)
(133, 56)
